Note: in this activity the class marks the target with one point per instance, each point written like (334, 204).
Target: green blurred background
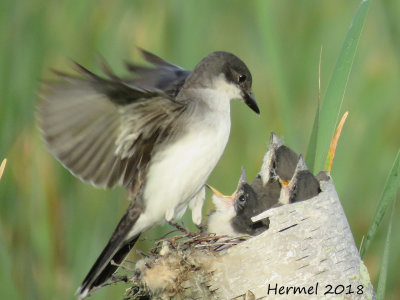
(52, 226)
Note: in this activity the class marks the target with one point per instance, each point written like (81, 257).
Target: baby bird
(233, 213)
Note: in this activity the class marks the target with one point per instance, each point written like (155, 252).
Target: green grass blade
(7, 288)
(389, 192)
(312, 145)
(330, 107)
(380, 292)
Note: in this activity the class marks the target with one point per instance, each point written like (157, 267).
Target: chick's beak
(251, 102)
(215, 191)
(219, 198)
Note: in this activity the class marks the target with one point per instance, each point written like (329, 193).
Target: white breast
(219, 222)
(179, 171)
(182, 169)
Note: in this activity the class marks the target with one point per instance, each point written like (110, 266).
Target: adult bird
(158, 134)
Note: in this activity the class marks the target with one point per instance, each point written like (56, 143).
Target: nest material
(179, 267)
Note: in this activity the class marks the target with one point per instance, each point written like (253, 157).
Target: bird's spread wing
(104, 130)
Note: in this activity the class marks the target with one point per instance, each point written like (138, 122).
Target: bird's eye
(242, 78)
(242, 198)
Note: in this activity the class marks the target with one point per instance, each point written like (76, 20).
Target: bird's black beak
(251, 102)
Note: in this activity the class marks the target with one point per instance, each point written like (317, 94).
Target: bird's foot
(201, 227)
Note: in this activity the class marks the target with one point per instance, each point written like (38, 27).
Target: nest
(178, 267)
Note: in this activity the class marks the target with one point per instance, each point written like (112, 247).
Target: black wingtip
(84, 71)
(105, 68)
(154, 59)
(136, 68)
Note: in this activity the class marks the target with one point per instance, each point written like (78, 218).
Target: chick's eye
(242, 78)
(242, 198)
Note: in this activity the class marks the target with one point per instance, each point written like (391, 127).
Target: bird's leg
(179, 227)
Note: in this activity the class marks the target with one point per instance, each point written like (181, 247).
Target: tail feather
(117, 259)
(115, 251)
(105, 265)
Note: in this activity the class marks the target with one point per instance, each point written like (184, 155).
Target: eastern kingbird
(233, 214)
(158, 134)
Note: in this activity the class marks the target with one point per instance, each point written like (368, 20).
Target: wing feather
(105, 131)
(163, 75)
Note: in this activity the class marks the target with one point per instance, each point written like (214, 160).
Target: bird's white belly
(180, 171)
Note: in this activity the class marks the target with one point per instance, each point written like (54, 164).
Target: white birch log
(309, 245)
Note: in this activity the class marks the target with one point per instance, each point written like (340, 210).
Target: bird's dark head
(228, 72)
(242, 201)
(244, 198)
(247, 205)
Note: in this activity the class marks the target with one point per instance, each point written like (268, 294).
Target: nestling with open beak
(284, 177)
(233, 213)
(302, 186)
